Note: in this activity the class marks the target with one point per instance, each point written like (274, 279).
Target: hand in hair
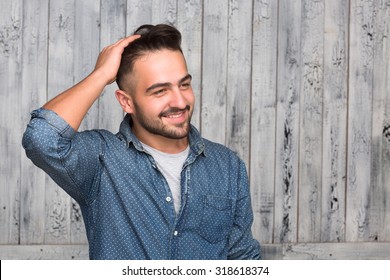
(110, 58)
(74, 103)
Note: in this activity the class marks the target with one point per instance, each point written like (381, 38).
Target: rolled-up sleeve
(70, 158)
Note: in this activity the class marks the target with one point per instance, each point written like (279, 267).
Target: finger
(124, 42)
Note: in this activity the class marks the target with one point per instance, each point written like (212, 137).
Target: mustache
(173, 110)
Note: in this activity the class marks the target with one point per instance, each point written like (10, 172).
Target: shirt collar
(125, 132)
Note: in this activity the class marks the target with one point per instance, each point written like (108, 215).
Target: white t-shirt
(170, 165)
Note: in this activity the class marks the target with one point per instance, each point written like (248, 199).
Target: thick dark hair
(153, 38)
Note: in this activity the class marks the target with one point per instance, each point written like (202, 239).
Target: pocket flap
(218, 202)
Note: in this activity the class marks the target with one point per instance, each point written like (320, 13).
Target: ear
(125, 100)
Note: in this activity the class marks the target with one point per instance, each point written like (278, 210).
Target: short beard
(158, 128)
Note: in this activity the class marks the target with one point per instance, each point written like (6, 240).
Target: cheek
(153, 107)
(190, 97)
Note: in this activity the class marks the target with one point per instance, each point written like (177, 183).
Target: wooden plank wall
(299, 89)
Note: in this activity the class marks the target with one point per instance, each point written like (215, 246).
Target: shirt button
(168, 199)
(175, 233)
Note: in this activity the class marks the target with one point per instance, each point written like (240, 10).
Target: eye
(160, 91)
(185, 86)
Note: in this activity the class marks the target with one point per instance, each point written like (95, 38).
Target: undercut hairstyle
(153, 38)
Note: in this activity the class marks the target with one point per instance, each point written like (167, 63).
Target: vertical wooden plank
(34, 85)
(60, 77)
(164, 11)
(214, 70)
(380, 165)
(86, 49)
(10, 117)
(189, 22)
(150, 12)
(359, 121)
(287, 126)
(263, 113)
(112, 28)
(310, 142)
(138, 13)
(335, 121)
(239, 77)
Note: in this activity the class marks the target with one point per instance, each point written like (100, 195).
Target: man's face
(163, 100)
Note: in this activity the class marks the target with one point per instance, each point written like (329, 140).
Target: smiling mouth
(175, 116)
(174, 113)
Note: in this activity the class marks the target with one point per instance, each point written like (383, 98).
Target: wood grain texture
(359, 121)
(137, 13)
(11, 24)
(86, 48)
(334, 149)
(239, 78)
(263, 117)
(380, 161)
(287, 122)
(164, 11)
(34, 88)
(336, 251)
(302, 251)
(214, 70)
(44, 252)
(311, 104)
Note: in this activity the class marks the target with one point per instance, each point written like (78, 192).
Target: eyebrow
(158, 85)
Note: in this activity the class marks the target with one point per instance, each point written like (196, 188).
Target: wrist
(100, 77)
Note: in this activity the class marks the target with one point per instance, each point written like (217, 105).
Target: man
(156, 189)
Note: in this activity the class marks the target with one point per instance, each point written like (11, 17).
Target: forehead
(163, 66)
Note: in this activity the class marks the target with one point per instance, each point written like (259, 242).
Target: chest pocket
(217, 218)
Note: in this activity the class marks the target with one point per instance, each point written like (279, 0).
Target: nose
(179, 99)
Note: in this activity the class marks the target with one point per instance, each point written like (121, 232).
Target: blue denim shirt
(126, 202)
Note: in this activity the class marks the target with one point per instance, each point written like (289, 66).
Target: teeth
(174, 116)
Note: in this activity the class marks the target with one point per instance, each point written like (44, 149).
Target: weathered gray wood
(238, 78)
(287, 127)
(112, 28)
(138, 13)
(263, 113)
(337, 251)
(189, 22)
(380, 162)
(214, 70)
(271, 251)
(150, 12)
(11, 20)
(44, 252)
(60, 77)
(359, 121)
(334, 150)
(164, 11)
(310, 142)
(303, 251)
(34, 88)
(86, 44)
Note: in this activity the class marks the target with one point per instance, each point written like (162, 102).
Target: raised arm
(74, 103)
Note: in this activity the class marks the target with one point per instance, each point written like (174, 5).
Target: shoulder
(105, 137)
(95, 133)
(220, 152)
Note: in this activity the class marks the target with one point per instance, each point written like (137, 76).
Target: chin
(177, 133)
